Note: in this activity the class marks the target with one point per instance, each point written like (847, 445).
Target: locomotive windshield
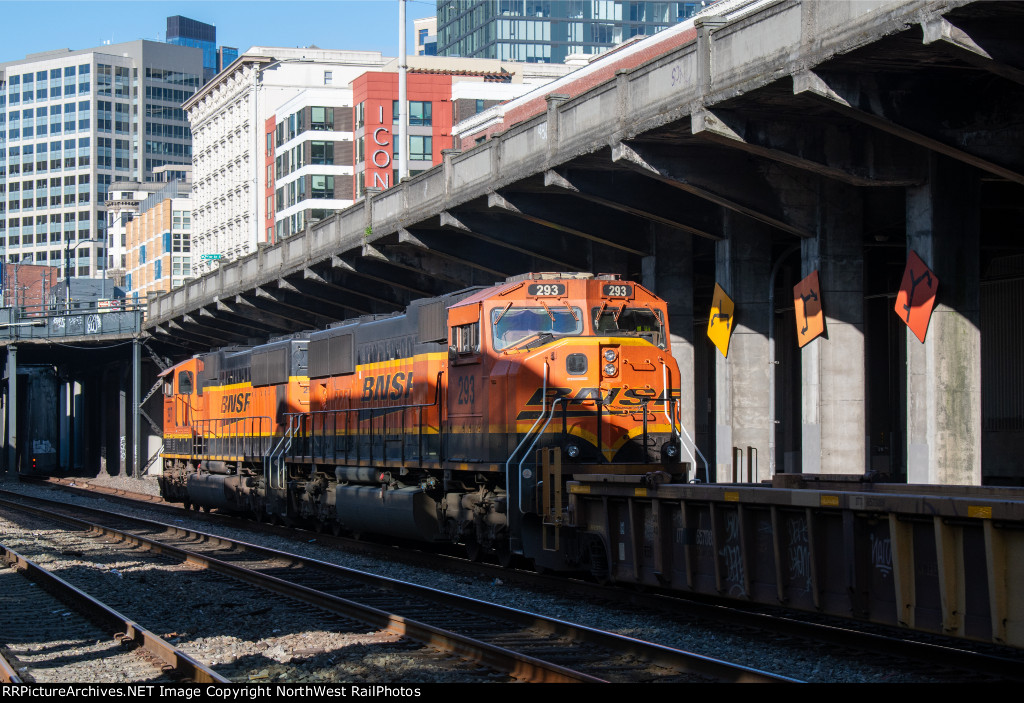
(645, 322)
(513, 325)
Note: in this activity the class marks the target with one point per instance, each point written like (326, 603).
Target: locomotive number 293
(618, 290)
(546, 289)
(467, 390)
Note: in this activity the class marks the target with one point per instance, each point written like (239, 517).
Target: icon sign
(916, 297)
(721, 319)
(810, 321)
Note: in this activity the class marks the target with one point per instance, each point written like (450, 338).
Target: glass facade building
(71, 124)
(547, 31)
(183, 31)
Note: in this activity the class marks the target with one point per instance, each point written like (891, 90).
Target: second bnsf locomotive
(458, 420)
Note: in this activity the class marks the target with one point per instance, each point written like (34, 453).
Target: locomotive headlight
(572, 450)
(609, 369)
(610, 355)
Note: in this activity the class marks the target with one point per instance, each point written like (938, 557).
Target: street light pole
(67, 267)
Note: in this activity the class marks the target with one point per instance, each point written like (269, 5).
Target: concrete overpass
(784, 137)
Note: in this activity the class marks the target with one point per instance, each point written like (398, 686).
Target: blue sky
(43, 25)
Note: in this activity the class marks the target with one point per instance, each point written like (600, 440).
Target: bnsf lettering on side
(389, 387)
(236, 403)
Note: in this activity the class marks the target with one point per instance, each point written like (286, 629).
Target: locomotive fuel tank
(408, 512)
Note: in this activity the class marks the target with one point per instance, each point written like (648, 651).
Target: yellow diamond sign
(720, 322)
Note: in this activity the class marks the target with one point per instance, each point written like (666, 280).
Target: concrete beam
(410, 255)
(531, 208)
(247, 327)
(459, 252)
(535, 249)
(355, 301)
(217, 332)
(908, 112)
(197, 339)
(854, 155)
(720, 178)
(252, 328)
(620, 191)
(990, 48)
(283, 323)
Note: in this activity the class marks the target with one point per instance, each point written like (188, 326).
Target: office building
(548, 31)
(71, 123)
(158, 241)
(425, 30)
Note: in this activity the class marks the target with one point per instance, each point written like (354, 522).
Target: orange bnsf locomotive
(458, 420)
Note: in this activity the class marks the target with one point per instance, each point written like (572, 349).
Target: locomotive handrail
(670, 401)
(231, 429)
(543, 408)
(268, 462)
(551, 416)
(313, 414)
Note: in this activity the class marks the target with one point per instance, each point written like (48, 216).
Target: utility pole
(403, 102)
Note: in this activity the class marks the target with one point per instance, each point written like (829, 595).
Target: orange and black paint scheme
(458, 420)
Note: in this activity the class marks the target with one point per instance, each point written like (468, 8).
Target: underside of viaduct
(788, 138)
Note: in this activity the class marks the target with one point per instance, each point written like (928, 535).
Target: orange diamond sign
(916, 297)
(810, 320)
(721, 319)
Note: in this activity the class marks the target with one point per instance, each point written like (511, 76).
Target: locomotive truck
(459, 420)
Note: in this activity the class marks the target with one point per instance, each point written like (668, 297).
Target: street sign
(210, 257)
(721, 319)
(916, 297)
(810, 321)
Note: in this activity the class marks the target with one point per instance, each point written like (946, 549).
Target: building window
(328, 77)
(322, 153)
(420, 148)
(420, 113)
(322, 186)
(322, 118)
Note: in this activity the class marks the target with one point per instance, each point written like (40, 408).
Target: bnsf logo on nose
(237, 403)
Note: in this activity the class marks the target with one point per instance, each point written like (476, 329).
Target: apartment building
(229, 119)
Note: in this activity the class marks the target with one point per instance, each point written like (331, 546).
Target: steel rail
(656, 654)
(517, 665)
(7, 672)
(107, 618)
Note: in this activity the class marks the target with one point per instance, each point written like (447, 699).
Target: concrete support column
(944, 372)
(12, 410)
(64, 420)
(137, 445)
(122, 420)
(834, 409)
(669, 275)
(742, 268)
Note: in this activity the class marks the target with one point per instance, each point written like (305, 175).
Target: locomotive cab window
(185, 382)
(642, 322)
(512, 326)
(466, 338)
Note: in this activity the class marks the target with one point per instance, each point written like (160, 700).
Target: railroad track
(523, 645)
(923, 657)
(49, 623)
(940, 658)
